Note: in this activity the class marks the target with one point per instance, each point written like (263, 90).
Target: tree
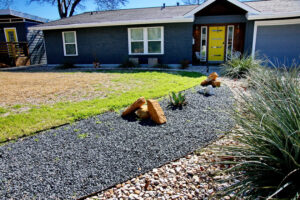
(189, 2)
(5, 3)
(66, 8)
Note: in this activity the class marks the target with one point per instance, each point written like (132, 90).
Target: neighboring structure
(18, 45)
(211, 32)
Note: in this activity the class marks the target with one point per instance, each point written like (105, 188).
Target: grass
(147, 84)
(22, 90)
(3, 110)
(82, 135)
(268, 159)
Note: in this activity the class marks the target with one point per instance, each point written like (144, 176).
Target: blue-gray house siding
(110, 44)
(280, 43)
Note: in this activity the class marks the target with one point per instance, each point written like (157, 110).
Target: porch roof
(9, 12)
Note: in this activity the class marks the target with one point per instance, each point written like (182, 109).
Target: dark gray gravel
(93, 154)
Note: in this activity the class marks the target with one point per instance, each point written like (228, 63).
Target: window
(203, 44)
(230, 36)
(70, 43)
(145, 40)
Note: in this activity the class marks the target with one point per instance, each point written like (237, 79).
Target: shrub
(129, 64)
(239, 67)
(268, 160)
(177, 100)
(184, 64)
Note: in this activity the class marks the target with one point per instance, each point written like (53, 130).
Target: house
(211, 32)
(17, 43)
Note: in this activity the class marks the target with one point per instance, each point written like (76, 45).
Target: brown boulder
(136, 105)
(213, 76)
(205, 83)
(142, 112)
(216, 83)
(156, 112)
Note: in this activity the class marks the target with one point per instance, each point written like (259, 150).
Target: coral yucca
(267, 163)
(239, 67)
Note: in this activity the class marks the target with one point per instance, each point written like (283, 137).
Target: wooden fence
(14, 53)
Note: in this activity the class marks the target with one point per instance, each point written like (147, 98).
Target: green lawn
(147, 84)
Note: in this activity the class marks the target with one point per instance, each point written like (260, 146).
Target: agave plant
(267, 163)
(177, 100)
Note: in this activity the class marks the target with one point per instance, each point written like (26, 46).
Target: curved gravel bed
(93, 154)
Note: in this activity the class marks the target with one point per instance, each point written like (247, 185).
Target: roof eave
(116, 23)
(273, 15)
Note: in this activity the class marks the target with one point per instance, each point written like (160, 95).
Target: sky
(50, 12)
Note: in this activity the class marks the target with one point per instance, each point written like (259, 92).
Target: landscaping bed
(33, 101)
(96, 153)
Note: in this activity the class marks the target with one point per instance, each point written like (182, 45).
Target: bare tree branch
(74, 6)
(4, 4)
(67, 8)
(110, 4)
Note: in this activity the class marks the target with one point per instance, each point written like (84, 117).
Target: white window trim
(17, 40)
(64, 44)
(202, 27)
(269, 23)
(228, 40)
(145, 40)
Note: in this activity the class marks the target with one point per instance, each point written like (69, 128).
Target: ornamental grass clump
(239, 67)
(267, 161)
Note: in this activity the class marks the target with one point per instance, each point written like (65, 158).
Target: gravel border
(93, 154)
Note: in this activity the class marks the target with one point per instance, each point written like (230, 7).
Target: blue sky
(50, 12)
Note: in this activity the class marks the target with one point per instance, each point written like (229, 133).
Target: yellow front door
(11, 35)
(216, 43)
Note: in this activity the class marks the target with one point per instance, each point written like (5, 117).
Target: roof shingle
(275, 6)
(174, 13)
(169, 12)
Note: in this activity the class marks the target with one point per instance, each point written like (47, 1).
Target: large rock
(213, 76)
(156, 112)
(210, 79)
(142, 112)
(208, 91)
(136, 105)
(205, 83)
(216, 83)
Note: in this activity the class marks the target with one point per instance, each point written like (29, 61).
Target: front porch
(14, 54)
(220, 32)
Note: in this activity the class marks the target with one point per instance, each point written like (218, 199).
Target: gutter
(115, 23)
